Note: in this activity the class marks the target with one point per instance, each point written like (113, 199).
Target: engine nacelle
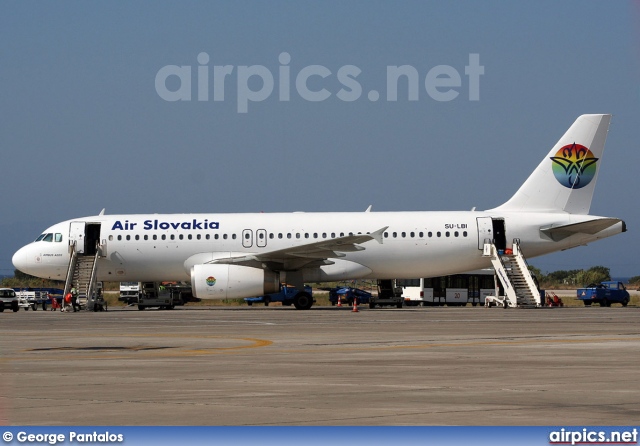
(232, 281)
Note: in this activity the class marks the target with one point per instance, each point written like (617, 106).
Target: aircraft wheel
(303, 301)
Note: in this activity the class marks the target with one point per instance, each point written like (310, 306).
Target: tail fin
(565, 179)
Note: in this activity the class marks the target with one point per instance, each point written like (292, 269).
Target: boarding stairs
(513, 272)
(82, 275)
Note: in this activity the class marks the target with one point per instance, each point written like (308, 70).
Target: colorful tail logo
(211, 281)
(574, 166)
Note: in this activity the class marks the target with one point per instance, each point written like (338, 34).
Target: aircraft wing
(557, 233)
(307, 255)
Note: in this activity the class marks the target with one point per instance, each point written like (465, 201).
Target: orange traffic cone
(355, 305)
(339, 301)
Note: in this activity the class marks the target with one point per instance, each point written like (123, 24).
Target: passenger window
(297, 235)
(430, 234)
(224, 236)
(190, 236)
(155, 237)
(447, 233)
(456, 233)
(198, 236)
(164, 237)
(217, 236)
(119, 238)
(58, 237)
(146, 237)
(395, 235)
(464, 233)
(111, 238)
(386, 235)
(324, 235)
(173, 237)
(333, 235)
(289, 235)
(438, 234)
(208, 236)
(137, 237)
(404, 234)
(413, 234)
(421, 234)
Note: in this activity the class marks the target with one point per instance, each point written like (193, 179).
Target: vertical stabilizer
(565, 179)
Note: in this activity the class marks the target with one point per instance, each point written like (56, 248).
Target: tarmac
(327, 366)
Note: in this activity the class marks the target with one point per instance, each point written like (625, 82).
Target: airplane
(251, 254)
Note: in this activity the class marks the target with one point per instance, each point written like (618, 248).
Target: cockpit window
(48, 238)
(41, 237)
(58, 237)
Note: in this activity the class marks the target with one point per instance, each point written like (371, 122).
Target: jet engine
(232, 281)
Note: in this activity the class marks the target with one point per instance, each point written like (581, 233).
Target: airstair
(513, 272)
(82, 275)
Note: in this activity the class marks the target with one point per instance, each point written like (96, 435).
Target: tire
(14, 306)
(249, 303)
(34, 307)
(267, 301)
(372, 305)
(505, 304)
(604, 303)
(1, 307)
(333, 304)
(44, 306)
(141, 307)
(399, 305)
(625, 302)
(587, 303)
(303, 301)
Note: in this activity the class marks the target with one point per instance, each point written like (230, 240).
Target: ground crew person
(74, 299)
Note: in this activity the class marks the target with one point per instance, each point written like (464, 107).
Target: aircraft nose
(19, 260)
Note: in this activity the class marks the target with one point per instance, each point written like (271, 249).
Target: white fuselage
(164, 247)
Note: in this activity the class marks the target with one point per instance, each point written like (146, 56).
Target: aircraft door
(247, 238)
(76, 234)
(261, 238)
(485, 230)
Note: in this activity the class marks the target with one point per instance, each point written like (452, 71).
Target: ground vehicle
(388, 295)
(130, 292)
(286, 295)
(34, 297)
(8, 300)
(155, 295)
(604, 294)
(347, 294)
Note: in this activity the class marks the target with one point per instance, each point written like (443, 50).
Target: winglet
(378, 235)
(369, 208)
(102, 211)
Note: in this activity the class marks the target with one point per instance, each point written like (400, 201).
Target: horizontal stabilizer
(557, 233)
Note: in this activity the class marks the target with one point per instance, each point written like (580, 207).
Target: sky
(89, 120)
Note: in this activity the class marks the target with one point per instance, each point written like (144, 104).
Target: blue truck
(604, 293)
(286, 295)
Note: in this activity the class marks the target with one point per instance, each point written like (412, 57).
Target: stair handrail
(73, 254)
(92, 279)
